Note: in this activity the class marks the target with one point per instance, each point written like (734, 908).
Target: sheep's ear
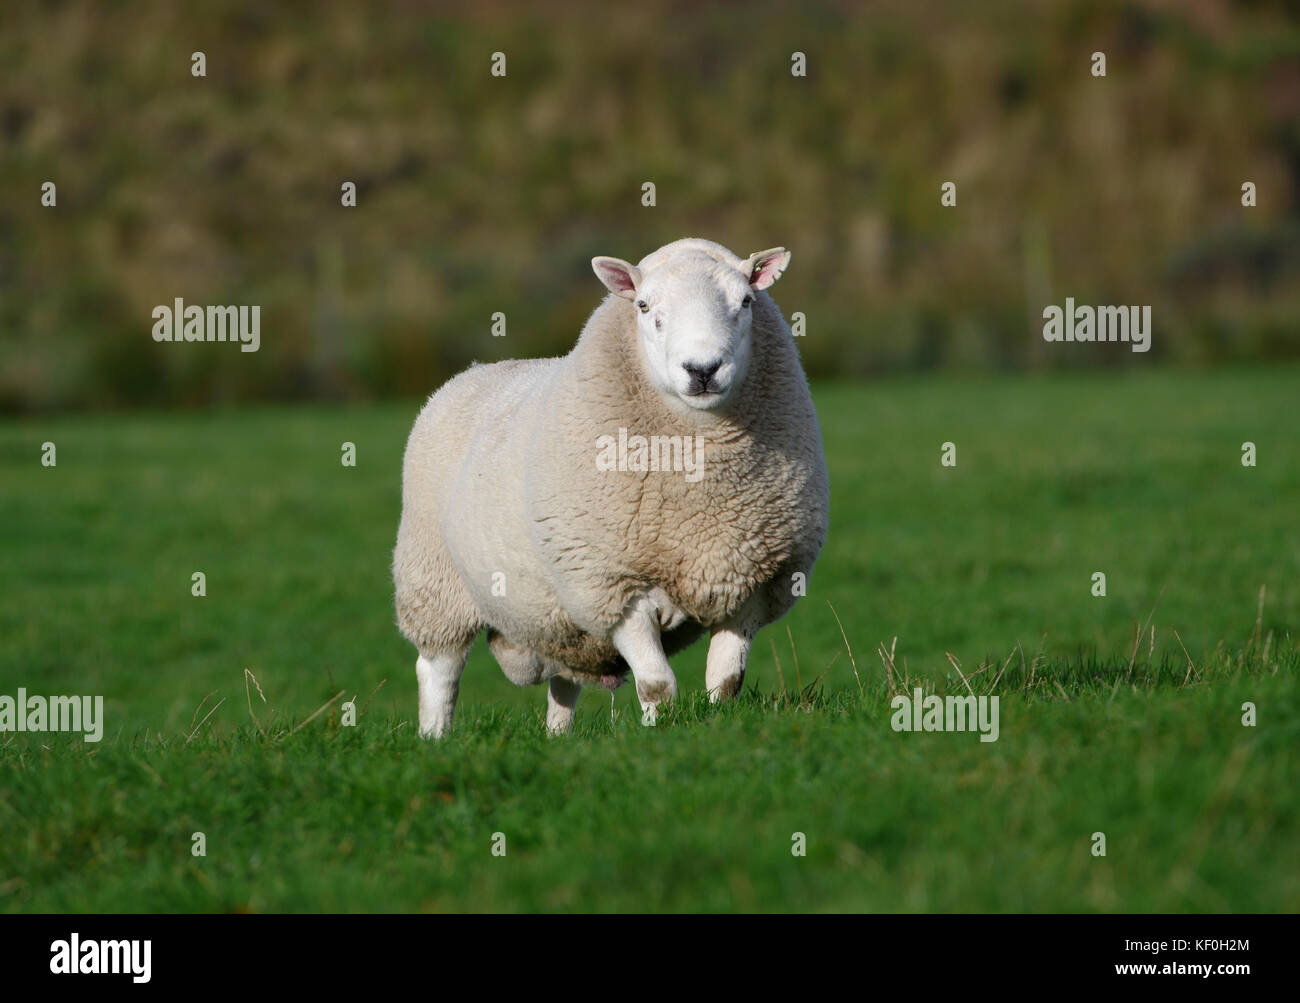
(619, 277)
(765, 267)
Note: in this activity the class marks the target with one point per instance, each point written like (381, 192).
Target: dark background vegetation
(480, 194)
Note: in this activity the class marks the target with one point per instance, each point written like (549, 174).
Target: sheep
(531, 509)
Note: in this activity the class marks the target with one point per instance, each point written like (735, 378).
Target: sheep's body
(508, 524)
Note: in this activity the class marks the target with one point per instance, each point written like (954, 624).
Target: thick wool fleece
(508, 524)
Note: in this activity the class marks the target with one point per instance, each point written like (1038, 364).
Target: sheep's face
(694, 318)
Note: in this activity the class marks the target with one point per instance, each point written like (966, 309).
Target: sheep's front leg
(438, 675)
(636, 636)
(561, 704)
(729, 643)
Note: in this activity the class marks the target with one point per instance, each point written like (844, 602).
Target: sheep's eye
(746, 301)
(643, 306)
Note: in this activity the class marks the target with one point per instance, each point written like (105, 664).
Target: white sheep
(598, 512)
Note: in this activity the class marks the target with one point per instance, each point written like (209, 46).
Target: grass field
(1137, 476)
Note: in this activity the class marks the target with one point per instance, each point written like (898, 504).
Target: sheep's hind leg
(729, 644)
(636, 636)
(438, 675)
(561, 704)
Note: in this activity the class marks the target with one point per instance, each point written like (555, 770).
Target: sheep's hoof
(727, 689)
(652, 693)
(559, 721)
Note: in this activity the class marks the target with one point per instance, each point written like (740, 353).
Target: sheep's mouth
(704, 398)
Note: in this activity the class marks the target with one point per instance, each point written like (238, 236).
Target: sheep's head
(694, 315)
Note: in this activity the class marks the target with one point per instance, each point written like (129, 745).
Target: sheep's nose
(701, 374)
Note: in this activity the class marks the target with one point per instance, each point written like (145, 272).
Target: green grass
(1138, 476)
